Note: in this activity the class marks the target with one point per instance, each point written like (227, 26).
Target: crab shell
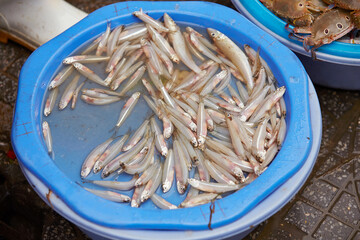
(350, 5)
(304, 21)
(287, 9)
(347, 4)
(355, 16)
(328, 1)
(317, 5)
(329, 27)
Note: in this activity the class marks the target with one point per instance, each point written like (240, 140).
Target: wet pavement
(327, 206)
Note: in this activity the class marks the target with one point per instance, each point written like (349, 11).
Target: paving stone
(15, 68)
(357, 236)
(29, 229)
(6, 114)
(346, 208)
(283, 231)
(357, 143)
(255, 233)
(331, 161)
(357, 167)
(283, 235)
(342, 147)
(336, 103)
(303, 216)
(8, 53)
(349, 187)
(320, 193)
(327, 133)
(339, 176)
(327, 118)
(8, 89)
(332, 229)
(57, 227)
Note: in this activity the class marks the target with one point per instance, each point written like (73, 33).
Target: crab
(352, 5)
(328, 27)
(317, 6)
(323, 21)
(356, 18)
(300, 13)
(295, 10)
(345, 4)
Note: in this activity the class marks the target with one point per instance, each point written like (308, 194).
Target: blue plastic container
(60, 177)
(235, 230)
(338, 64)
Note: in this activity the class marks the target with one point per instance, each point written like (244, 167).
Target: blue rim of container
(42, 65)
(336, 52)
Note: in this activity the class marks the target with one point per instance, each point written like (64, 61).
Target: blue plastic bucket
(236, 230)
(338, 63)
(60, 177)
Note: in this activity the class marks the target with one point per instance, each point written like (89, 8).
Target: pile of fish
(222, 114)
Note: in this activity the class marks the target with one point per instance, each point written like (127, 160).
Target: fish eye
(213, 34)
(326, 31)
(339, 25)
(301, 5)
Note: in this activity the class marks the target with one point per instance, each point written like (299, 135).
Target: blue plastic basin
(338, 63)
(238, 229)
(61, 177)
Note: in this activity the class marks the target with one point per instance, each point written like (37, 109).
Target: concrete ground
(327, 206)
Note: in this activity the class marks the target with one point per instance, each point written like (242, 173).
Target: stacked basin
(57, 181)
